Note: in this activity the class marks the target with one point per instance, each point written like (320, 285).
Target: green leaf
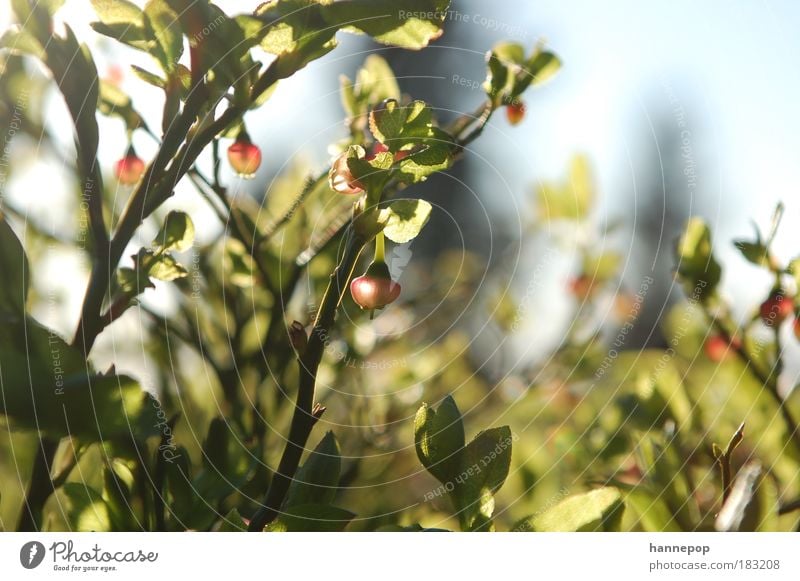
(598, 510)
(122, 21)
(375, 81)
(162, 24)
(754, 252)
(115, 102)
(149, 77)
(215, 446)
(317, 479)
(14, 272)
(504, 57)
(406, 219)
(290, 25)
(696, 263)
(166, 268)
(540, 68)
(46, 385)
(485, 464)
(176, 234)
(412, 24)
(118, 12)
(21, 41)
(439, 439)
(571, 200)
(233, 523)
(85, 508)
(311, 518)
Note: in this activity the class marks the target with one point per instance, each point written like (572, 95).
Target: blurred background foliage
(531, 301)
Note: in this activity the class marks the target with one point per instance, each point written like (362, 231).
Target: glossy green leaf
(597, 510)
(412, 24)
(439, 439)
(406, 219)
(485, 464)
(317, 479)
(176, 234)
(85, 509)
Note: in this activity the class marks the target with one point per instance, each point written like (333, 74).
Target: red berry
(375, 289)
(515, 112)
(129, 169)
(716, 347)
(776, 309)
(582, 286)
(244, 156)
(341, 178)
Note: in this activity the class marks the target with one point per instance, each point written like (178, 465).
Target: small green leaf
(598, 510)
(439, 439)
(311, 518)
(571, 200)
(176, 234)
(162, 24)
(115, 102)
(412, 24)
(149, 77)
(406, 219)
(21, 41)
(122, 21)
(485, 464)
(232, 523)
(14, 272)
(166, 268)
(118, 12)
(754, 252)
(85, 508)
(317, 479)
(696, 263)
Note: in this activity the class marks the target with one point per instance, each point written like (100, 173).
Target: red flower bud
(129, 169)
(244, 156)
(515, 112)
(582, 286)
(716, 348)
(375, 289)
(341, 178)
(776, 308)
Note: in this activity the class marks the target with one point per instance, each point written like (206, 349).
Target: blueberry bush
(273, 399)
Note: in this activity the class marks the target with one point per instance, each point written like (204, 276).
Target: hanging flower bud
(341, 178)
(776, 308)
(582, 286)
(244, 156)
(375, 289)
(129, 169)
(515, 112)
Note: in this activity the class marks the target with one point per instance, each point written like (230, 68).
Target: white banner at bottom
(389, 556)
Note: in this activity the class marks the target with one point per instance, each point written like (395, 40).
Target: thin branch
(304, 418)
